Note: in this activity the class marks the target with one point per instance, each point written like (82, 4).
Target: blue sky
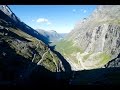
(61, 18)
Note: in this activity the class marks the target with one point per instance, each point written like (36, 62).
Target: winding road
(80, 61)
(74, 66)
(54, 62)
(42, 58)
(26, 73)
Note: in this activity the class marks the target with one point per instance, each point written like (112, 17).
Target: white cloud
(84, 11)
(74, 10)
(43, 20)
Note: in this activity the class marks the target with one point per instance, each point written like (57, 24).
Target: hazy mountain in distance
(52, 35)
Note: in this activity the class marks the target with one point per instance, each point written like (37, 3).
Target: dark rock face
(114, 63)
(11, 18)
(21, 53)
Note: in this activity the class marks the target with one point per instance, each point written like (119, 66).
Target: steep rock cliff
(94, 41)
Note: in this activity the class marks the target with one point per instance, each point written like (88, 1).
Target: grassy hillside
(67, 47)
(26, 46)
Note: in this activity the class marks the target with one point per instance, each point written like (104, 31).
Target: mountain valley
(88, 55)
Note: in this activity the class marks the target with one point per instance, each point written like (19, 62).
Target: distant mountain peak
(52, 30)
(52, 35)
